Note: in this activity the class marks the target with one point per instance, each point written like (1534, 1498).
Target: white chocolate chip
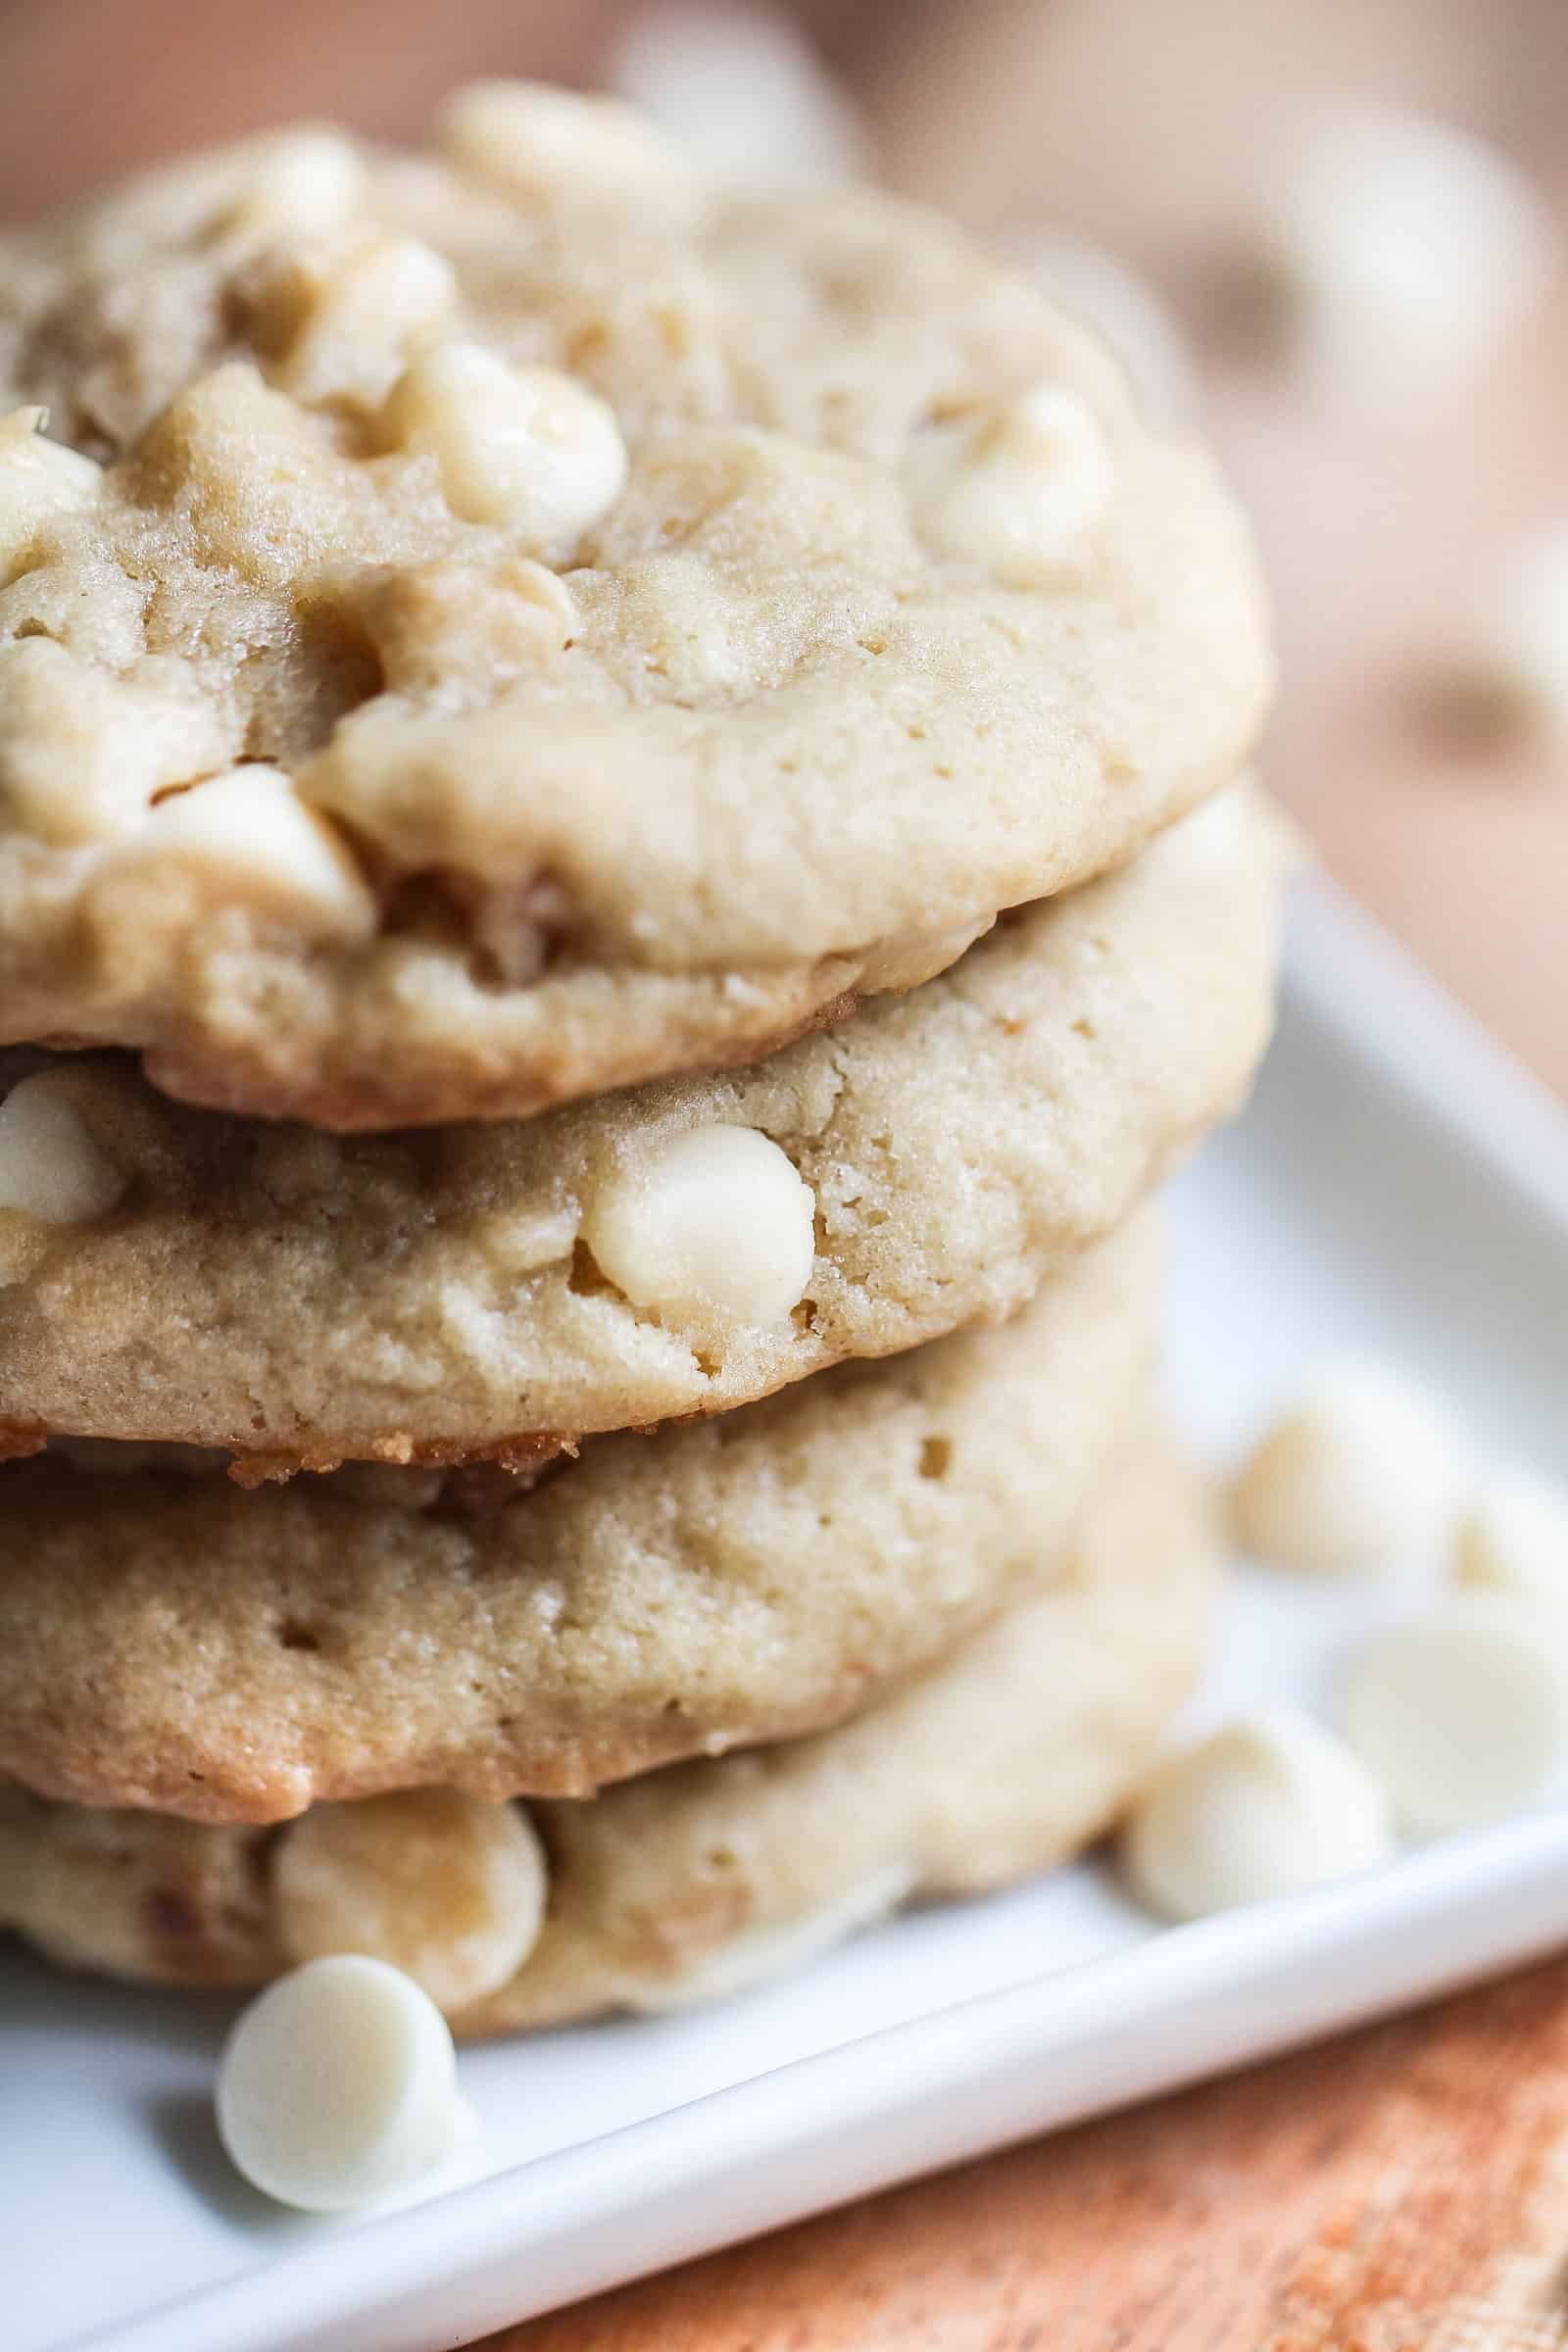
(351, 316)
(84, 754)
(38, 477)
(52, 1166)
(1267, 1806)
(337, 2086)
(714, 1220)
(306, 183)
(1512, 1537)
(1363, 1472)
(756, 1955)
(1406, 249)
(1092, 286)
(447, 1890)
(527, 448)
(744, 92)
(1461, 1713)
(538, 142)
(1514, 669)
(1217, 837)
(1022, 491)
(246, 839)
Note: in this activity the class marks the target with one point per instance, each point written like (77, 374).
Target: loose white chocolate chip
(527, 448)
(1021, 492)
(359, 313)
(741, 89)
(52, 1166)
(337, 2086)
(1406, 250)
(447, 1890)
(1514, 670)
(1267, 1806)
(246, 837)
(1094, 286)
(714, 1220)
(38, 477)
(537, 142)
(1363, 1472)
(1512, 1537)
(306, 183)
(1461, 1713)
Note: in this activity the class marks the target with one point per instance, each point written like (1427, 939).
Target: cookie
(502, 622)
(496, 1290)
(690, 1883)
(168, 1640)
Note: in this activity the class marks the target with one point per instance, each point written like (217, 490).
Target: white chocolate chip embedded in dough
(86, 753)
(337, 2086)
(1362, 1472)
(305, 183)
(447, 1890)
(1022, 491)
(1404, 249)
(346, 318)
(1461, 1713)
(714, 1220)
(52, 1166)
(38, 477)
(1512, 1537)
(539, 143)
(527, 448)
(245, 839)
(1267, 1806)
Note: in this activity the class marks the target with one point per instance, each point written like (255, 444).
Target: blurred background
(1328, 232)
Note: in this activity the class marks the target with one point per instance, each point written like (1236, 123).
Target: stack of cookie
(626, 856)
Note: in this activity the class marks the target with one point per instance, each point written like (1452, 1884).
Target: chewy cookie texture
(625, 852)
(690, 1883)
(167, 1639)
(677, 1247)
(488, 624)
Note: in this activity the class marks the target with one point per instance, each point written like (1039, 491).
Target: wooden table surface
(1405, 2189)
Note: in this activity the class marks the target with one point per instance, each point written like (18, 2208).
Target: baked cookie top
(169, 1641)
(692, 1883)
(678, 1247)
(484, 626)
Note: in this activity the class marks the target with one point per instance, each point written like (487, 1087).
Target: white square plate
(1395, 1184)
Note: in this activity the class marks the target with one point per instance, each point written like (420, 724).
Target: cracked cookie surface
(495, 623)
